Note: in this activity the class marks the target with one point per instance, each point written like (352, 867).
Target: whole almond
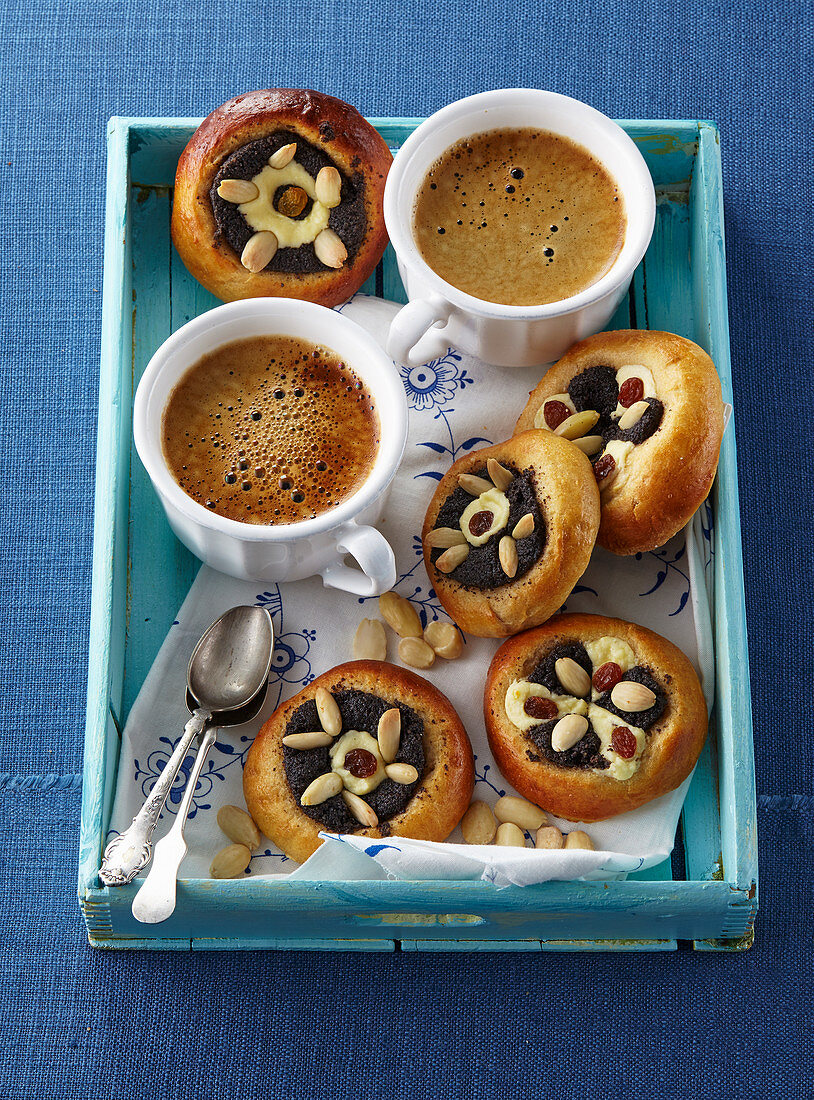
(572, 676)
(444, 639)
(474, 485)
(416, 653)
(452, 558)
(321, 789)
(258, 251)
(444, 537)
(570, 729)
(329, 249)
(328, 186)
(329, 717)
(478, 824)
(632, 697)
(501, 477)
(524, 527)
(507, 553)
(400, 615)
(313, 739)
(238, 190)
(389, 734)
(578, 839)
(361, 811)
(589, 444)
(509, 836)
(283, 156)
(230, 862)
(401, 773)
(519, 812)
(238, 826)
(633, 415)
(577, 424)
(548, 836)
(370, 641)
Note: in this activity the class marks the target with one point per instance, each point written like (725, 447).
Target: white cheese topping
(357, 739)
(604, 723)
(521, 690)
(491, 501)
(262, 217)
(618, 449)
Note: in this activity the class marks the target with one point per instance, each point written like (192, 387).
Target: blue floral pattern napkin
(456, 404)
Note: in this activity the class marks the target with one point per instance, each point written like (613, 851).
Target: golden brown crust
(440, 799)
(674, 742)
(327, 123)
(671, 473)
(569, 501)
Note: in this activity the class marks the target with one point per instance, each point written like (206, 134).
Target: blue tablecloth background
(85, 1024)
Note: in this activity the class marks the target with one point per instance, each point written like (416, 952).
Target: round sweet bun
(439, 799)
(337, 134)
(672, 744)
(668, 476)
(568, 500)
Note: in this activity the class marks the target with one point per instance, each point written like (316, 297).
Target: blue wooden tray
(706, 894)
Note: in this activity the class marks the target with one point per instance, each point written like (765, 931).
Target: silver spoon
(155, 901)
(227, 671)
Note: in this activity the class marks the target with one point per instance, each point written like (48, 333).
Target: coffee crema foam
(519, 217)
(270, 430)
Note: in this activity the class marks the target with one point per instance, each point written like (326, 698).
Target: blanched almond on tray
(444, 639)
(579, 839)
(478, 824)
(509, 836)
(230, 862)
(370, 641)
(239, 826)
(548, 836)
(519, 812)
(400, 615)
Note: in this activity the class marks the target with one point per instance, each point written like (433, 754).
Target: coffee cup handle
(377, 562)
(412, 338)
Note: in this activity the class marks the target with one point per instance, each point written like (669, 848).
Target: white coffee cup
(438, 315)
(292, 551)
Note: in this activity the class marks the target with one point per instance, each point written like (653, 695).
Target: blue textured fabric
(84, 1024)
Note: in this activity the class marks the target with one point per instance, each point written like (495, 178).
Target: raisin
(361, 763)
(623, 742)
(606, 676)
(480, 523)
(292, 202)
(555, 412)
(604, 467)
(538, 707)
(631, 391)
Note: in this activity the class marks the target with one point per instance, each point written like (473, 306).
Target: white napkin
(456, 404)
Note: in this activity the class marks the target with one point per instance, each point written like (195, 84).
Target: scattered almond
(519, 812)
(589, 444)
(548, 836)
(444, 639)
(370, 641)
(416, 653)
(570, 729)
(478, 824)
(578, 839)
(633, 415)
(400, 615)
(401, 773)
(230, 862)
(313, 739)
(577, 424)
(239, 826)
(509, 836)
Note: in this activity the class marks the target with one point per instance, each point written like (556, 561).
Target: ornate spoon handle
(127, 853)
(155, 901)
